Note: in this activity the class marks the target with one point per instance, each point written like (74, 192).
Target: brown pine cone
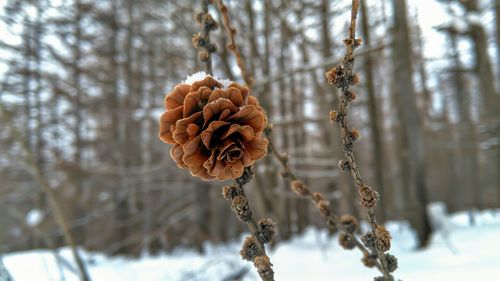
(216, 131)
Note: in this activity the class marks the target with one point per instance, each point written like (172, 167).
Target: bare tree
(410, 122)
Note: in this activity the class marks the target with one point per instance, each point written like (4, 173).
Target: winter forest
(249, 140)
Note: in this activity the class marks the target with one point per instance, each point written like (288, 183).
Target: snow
(474, 18)
(469, 253)
(201, 75)
(34, 217)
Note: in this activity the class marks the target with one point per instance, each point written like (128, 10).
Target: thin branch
(341, 76)
(232, 46)
(324, 63)
(261, 232)
(332, 221)
(201, 40)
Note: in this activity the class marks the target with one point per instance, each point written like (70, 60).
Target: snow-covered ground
(472, 253)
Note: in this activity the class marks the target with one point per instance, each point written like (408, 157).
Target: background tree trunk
(410, 120)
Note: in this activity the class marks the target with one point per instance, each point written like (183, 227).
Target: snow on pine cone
(216, 131)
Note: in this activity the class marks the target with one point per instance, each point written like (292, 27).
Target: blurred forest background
(82, 86)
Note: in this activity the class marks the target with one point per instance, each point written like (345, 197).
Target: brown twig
(332, 221)
(261, 232)
(341, 76)
(324, 63)
(201, 40)
(232, 46)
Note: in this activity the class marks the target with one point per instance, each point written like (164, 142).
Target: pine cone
(216, 131)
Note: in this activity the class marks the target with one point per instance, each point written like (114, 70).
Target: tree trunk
(410, 119)
(490, 98)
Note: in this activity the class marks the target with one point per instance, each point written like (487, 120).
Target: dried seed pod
(249, 249)
(382, 238)
(197, 40)
(369, 260)
(350, 96)
(354, 79)
(267, 230)
(299, 187)
(199, 17)
(264, 267)
(369, 197)
(344, 166)
(323, 207)
(230, 191)
(335, 76)
(210, 23)
(358, 42)
(392, 262)
(353, 134)
(241, 208)
(333, 116)
(368, 240)
(355, 42)
(348, 41)
(349, 222)
(247, 176)
(331, 224)
(346, 242)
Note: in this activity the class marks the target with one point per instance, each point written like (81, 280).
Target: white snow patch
(34, 217)
(201, 75)
(459, 24)
(313, 256)
(474, 18)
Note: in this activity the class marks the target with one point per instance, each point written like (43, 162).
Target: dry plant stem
(250, 221)
(54, 204)
(347, 143)
(232, 46)
(331, 218)
(254, 228)
(205, 33)
(326, 62)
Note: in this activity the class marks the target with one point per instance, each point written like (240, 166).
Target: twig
(201, 40)
(325, 62)
(261, 232)
(232, 46)
(341, 76)
(332, 221)
(54, 204)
